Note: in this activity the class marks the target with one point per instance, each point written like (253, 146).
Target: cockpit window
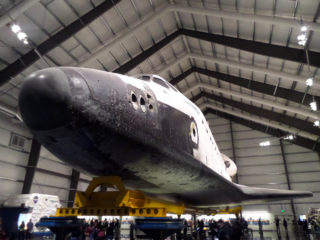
(170, 85)
(144, 77)
(160, 82)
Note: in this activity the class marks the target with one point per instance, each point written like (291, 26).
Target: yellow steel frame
(121, 202)
(235, 210)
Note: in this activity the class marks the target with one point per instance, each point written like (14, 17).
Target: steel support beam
(265, 122)
(31, 167)
(277, 117)
(264, 88)
(288, 22)
(186, 56)
(293, 54)
(147, 53)
(32, 56)
(266, 49)
(288, 178)
(234, 157)
(301, 141)
(75, 176)
(247, 45)
(306, 112)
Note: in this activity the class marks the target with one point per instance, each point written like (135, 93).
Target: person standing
(285, 224)
(260, 225)
(225, 230)
(277, 220)
(29, 229)
(110, 231)
(201, 227)
(100, 233)
(305, 227)
(117, 229)
(213, 228)
(21, 231)
(185, 228)
(300, 223)
(132, 227)
(260, 228)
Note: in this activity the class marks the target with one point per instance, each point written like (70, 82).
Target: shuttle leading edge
(139, 128)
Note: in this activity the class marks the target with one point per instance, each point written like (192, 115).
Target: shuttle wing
(257, 194)
(220, 193)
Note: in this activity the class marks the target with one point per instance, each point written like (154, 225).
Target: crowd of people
(223, 230)
(99, 230)
(25, 231)
(304, 227)
(110, 229)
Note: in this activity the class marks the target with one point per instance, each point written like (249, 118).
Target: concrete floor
(266, 235)
(290, 235)
(256, 235)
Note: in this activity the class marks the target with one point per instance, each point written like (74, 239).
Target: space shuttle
(139, 128)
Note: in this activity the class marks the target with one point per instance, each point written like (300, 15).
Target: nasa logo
(35, 199)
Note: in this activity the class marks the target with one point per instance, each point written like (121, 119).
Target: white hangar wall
(264, 166)
(12, 161)
(51, 176)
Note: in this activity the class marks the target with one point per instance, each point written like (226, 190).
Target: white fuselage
(207, 152)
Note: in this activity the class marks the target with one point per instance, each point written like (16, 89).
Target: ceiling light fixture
(309, 82)
(302, 39)
(304, 28)
(289, 137)
(21, 36)
(15, 28)
(313, 106)
(264, 144)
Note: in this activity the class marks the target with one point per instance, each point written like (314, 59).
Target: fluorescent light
(302, 39)
(21, 36)
(289, 137)
(309, 82)
(302, 43)
(316, 123)
(25, 41)
(304, 28)
(264, 144)
(15, 28)
(313, 106)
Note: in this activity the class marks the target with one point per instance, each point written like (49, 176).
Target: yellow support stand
(120, 202)
(235, 210)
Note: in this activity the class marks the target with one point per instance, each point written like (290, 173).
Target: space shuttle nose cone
(45, 99)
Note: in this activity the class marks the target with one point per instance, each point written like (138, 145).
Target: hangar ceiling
(237, 59)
